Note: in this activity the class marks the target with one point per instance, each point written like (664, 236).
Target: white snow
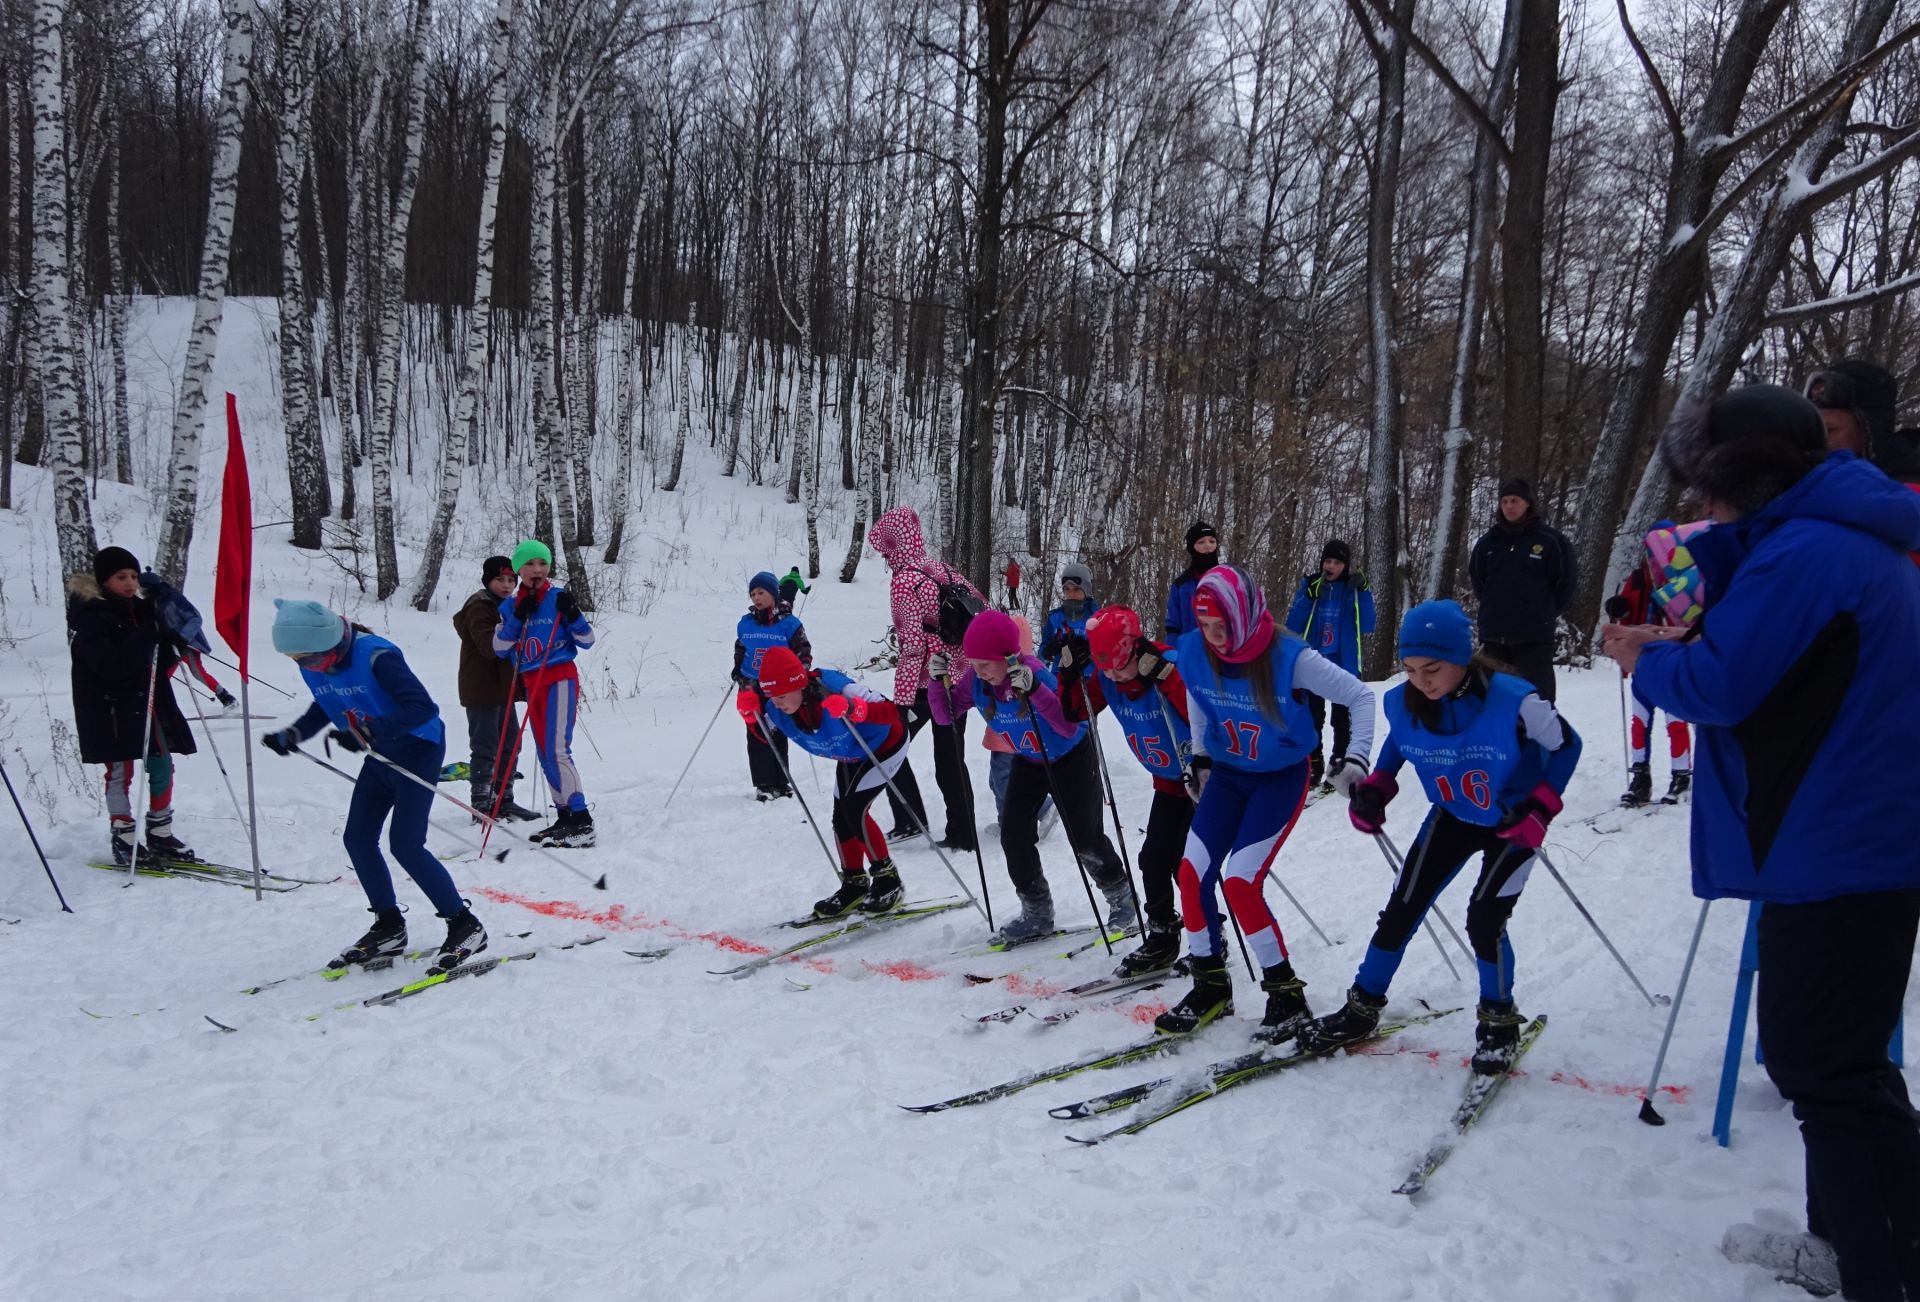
(589, 1125)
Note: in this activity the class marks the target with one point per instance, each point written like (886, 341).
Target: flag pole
(233, 583)
(253, 817)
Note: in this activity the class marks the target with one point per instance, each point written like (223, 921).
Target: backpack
(1678, 590)
(955, 610)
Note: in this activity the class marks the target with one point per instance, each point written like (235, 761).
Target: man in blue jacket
(1799, 679)
(1332, 610)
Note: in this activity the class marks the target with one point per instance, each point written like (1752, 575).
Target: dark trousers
(1160, 854)
(1076, 776)
(1832, 978)
(764, 761)
(1532, 660)
(485, 723)
(381, 795)
(1342, 726)
(949, 770)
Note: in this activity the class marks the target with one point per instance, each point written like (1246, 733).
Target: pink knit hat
(991, 636)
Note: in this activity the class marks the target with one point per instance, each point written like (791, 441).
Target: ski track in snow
(589, 1125)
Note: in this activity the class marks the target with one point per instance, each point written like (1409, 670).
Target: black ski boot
(574, 831)
(225, 698)
(1287, 1012)
(162, 844)
(902, 832)
(1159, 949)
(561, 817)
(853, 890)
(1639, 786)
(1357, 1020)
(481, 798)
(465, 938)
(1496, 1037)
(124, 841)
(385, 941)
(1678, 787)
(1211, 997)
(512, 811)
(883, 889)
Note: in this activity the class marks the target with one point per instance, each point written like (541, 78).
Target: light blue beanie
(305, 627)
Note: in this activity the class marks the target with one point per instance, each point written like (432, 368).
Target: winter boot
(883, 889)
(481, 798)
(1357, 1020)
(163, 844)
(124, 840)
(1121, 917)
(465, 938)
(1211, 997)
(853, 890)
(1678, 787)
(384, 941)
(1159, 949)
(1794, 1257)
(512, 811)
(1639, 786)
(1496, 1037)
(1287, 1012)
(1035, 920)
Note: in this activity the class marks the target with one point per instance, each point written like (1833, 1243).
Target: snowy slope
(591, 1125)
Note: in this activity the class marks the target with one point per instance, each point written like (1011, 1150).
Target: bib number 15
(1149, 751)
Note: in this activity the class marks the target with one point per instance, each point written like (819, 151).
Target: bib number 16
(1476, 787)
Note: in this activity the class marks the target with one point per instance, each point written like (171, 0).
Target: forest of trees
(1301, 267)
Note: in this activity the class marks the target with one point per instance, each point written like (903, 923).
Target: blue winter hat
(302, 628)
(764, 580)
(1437, 630)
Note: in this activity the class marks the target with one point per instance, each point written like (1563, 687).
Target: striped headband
(1228, 592)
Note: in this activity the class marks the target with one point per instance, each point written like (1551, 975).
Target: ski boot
(1160, 948)
(1496, 1037)
(1357, 1020)
(1316, 770)
(1211, 997)
(1122, 920)
(1639, 786)
(123, 842)
(577, 834)
(465, 938)
(765, 794)
(853, 891)
(481, 798)
(162, 844)
(1287, 1012)
(225, 698)
(385, 941)
(1035, 920)
(883, 889)
(1678, 787)
(902, 832)
(512, 811)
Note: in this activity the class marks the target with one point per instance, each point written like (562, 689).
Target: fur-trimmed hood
(1746, 447)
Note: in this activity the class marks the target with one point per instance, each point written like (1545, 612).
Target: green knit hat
(532, 550)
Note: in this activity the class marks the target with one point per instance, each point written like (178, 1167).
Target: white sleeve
(1197, 722)
(1540, 722)
(1315, 673)
(862, 692)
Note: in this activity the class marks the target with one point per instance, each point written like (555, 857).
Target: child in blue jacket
(1332, 610)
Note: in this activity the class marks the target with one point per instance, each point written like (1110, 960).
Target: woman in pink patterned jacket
(916, 620)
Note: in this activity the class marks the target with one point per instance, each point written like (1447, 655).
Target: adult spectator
(1203, 553)
(1856, 398)
(1798, 677)
(1013, 582)
(1332, 610)
(1523, 574)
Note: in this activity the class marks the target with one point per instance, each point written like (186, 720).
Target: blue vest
(1238, 735)
(1010, 719)
(1479, 772)
(1144, 720)
(530, 648)
(833, 741)
(760, 638)
(353, 687)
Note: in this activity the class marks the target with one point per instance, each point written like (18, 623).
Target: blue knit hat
(765, 581)
(305, 627)
(1437, 630)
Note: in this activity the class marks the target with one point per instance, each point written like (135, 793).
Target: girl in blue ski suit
(768, 623)
(1252, 733)
(1494, 757)
(363, 688)
(542, 630)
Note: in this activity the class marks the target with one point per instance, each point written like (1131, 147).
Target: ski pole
(222, 765)
(696, 749)
(973, 821)
(1113, 807)
(511, 763)
(1046, 764)
(1399, 865)
(1648, 1113)
(1186, 780)
(767, 737)
(1426, 919)
(21, 809)
(1626, 728)
(500, 743)
(599, 885)
(255, 677)
(888, 779)
(146, 755)
(1653, 1000)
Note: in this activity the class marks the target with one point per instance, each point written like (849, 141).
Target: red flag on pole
(233, 571)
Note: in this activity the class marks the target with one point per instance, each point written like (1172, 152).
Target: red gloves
(1367, 803)
(747, 701)
(842, 707)
(1527, 825)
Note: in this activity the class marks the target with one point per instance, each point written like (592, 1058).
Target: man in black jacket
(1523, 575)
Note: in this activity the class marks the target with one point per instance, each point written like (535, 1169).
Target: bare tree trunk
(623, 397)
(203, 341)
(118, 295)
(683, 417)
(306, 450)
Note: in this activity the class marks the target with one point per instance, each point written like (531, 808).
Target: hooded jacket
(1800, 686)
(1332, 615)
(915, 595)
(113, 642)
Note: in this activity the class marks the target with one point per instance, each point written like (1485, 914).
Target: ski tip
(222, 1025)
(1084, 1143)
(601, 885)
(1649, 1115)
(1071, 1112)
(921, 1109)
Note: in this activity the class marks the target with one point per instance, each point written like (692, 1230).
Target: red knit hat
(781, 672)
(1112, 635)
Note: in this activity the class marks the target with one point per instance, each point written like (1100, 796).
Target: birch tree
(306, 452)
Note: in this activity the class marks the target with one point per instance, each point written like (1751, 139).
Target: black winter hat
(1337, 550)
(1201, 529)
(109, 561)
(1865, 388)
(1746, 447)
(1518, 487)
(493, 567)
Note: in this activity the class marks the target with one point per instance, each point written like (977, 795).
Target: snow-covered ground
(592, 1125)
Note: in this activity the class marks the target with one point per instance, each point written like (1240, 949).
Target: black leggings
(1076, 778)
(855, 787)
(1160, 853)
(949, 771)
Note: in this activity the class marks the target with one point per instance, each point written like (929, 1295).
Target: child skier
(1635, 604)
(542, 629)
(1252, 734)
(362, 687)
(821, 710)
(1018, 697)
(1332, 611)
(120, 650)
(488, 690)
(792, 584)
(768, 623)
(1494, 758)
(1152, 710)
(1067, 622)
